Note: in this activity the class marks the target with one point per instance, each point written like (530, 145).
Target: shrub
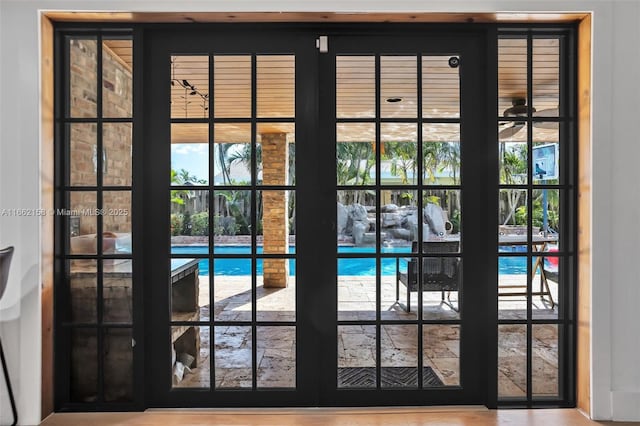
(200, 224)
(186, 224)
(224, 225)
(176, 224)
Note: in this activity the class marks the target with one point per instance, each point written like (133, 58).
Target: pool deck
(356, 343)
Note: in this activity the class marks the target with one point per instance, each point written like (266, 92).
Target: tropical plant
(538, 211)
(437, 157)
(176, 224)
(186, 224)
(200, 224)
(512, 171)
(403, 157)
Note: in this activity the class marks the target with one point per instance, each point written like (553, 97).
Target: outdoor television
(545, 161)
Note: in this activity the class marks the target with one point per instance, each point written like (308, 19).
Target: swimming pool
(226, 266)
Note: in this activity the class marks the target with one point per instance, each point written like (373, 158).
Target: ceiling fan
(520, 108)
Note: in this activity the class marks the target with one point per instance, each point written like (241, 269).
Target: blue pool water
(506, 265)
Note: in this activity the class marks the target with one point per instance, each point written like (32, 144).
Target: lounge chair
(439, 273)
(549, 272)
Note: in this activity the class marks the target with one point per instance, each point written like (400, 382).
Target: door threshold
(322, 410)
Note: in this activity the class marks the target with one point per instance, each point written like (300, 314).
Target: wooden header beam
(205, 17)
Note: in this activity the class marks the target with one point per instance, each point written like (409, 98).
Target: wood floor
(455, 416)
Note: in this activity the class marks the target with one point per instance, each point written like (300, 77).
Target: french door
(320, 232)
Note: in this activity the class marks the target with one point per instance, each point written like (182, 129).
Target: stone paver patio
(276, 346)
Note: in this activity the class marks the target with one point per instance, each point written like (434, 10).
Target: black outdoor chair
(5, 261)
(438, 273)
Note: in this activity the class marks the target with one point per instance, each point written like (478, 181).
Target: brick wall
(275, 219)
(117, 93)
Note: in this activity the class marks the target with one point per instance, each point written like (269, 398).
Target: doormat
(365, 377)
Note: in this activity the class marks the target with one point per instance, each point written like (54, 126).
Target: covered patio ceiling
(275, 97)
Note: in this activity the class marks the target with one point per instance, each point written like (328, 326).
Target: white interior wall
(616, 65)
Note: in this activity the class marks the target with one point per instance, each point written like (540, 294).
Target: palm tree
(514, 166)
(223, 160)
(403, 157)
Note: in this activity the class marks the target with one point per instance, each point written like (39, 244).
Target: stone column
(275, 171)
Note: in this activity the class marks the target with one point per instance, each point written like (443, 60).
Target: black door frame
(477, 361)
(228, 40)
(144, 328)
(316, 301)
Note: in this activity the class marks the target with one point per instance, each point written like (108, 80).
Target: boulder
(434, 216)
(391, 220)
(359, 229)
(357, 213)
(400, 233)
(342, 217)
(412, 226)
(389, 208)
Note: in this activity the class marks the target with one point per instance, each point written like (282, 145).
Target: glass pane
(512, 217)
(512, 284)
(232, 222)
(118, 365)
(189, 154)
(513, 131)
(398, 86)
(232, 154)
(399, 356)
(355, 154)
(513, 162)
(232, 289)
(512, 361)
(441, 154)
(397, 215)
(546, 219)
(189, 221)
(399, 154)
(275, 91)
(276, 291)
(83, 77)
(357, 356)
(441, 355)
(441, 282)
(118, 149)
(82, 222)
(116, 222)
(356, 221)
(83, 150)
(185, 290)
(83, 282)
(190, 347)
(117, 80)
(83, 386)
(441, 217)
(356, 289)
(232, 86)
(546, 154)
(544, 374)
(546, 76)
(545, 286)
(399, 287)
(233, 357)
(189, 86)
(440, 87)
(276, 357)
(275, 153)
(117, 287)
(355, 87)
(276, 221)
(512, 77)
